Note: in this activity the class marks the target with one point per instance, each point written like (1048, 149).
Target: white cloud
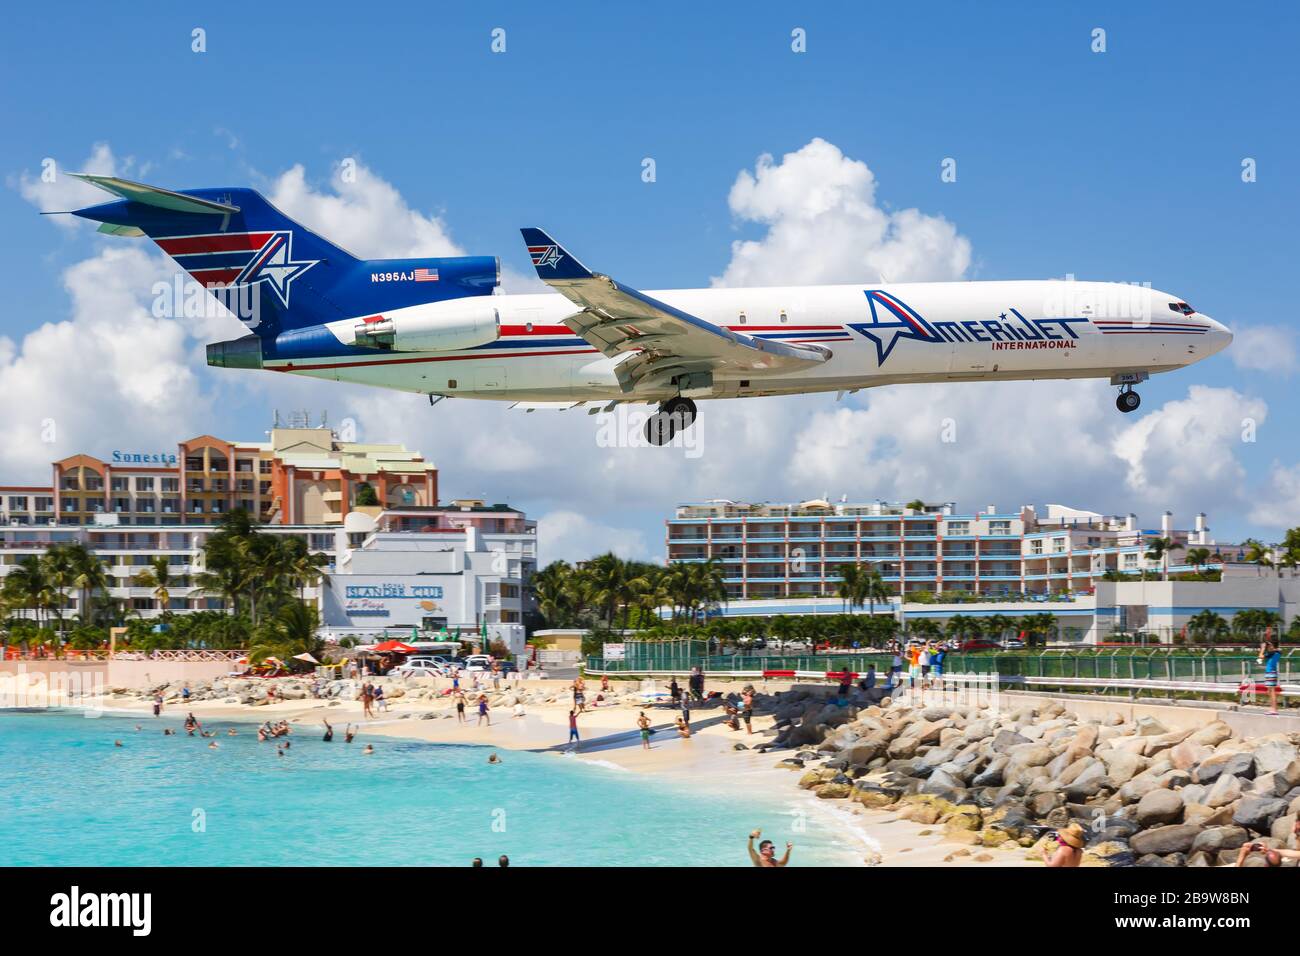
(571, 536)
(1264, 348)
(364, 214)
(825, 226)
(1278, 504)
(111, 375)
(52, 190)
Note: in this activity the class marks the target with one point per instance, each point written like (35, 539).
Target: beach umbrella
(305, 657)
(393, 647)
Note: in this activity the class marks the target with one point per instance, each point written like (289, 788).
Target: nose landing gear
(674, 415)
(1127, 400)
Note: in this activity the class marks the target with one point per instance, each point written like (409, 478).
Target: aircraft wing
(670, 346)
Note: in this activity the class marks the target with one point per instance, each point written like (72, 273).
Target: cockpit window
(1182, 307)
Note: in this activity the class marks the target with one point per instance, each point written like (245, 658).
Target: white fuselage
(877, 334)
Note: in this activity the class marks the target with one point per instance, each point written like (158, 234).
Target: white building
(462, 581)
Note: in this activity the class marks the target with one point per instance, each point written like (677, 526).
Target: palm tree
(1207, 626)
(156, 575)
(848, 588)
(1198, 557)
(28, 586)
(87, 575)
(287, 633)
(1158, 549)
(916, 504)
(1258, 554)
(872, 588)
(60, 572)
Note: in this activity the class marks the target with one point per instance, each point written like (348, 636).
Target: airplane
(440, 327)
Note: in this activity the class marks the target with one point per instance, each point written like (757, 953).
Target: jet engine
(435, 327)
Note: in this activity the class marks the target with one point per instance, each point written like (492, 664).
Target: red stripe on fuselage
(192, 245)
(432, 358)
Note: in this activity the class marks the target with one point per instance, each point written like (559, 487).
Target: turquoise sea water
(68, 796)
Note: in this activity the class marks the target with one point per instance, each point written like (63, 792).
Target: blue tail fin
(275, 274)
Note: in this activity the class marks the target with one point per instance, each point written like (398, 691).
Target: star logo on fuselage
(891, 320)
(275, 265)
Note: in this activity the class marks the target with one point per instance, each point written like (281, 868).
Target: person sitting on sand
(683, 728)
(643, 722)
(766, 854)
(519, 709)
(733, 715)
(1069, 847)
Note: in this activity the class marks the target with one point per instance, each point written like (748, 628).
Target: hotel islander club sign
(369, 600)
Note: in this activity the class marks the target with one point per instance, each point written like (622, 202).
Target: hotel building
(797, 550)
(459, 566)
(299, 476)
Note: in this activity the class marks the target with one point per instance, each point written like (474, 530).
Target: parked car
(476, 662)
(1013, 644)
(418, 668)
(978, 645)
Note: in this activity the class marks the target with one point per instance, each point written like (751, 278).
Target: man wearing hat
(1069, 847)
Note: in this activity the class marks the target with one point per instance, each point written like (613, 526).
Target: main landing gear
(674, 415)
(1127, 400)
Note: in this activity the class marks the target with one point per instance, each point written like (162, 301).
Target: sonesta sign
(143, 458)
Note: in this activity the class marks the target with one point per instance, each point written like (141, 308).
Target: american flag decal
(425, 275)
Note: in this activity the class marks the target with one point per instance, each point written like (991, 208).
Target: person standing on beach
(686, 709)
(747, 708)
(460, 707)
(157, 705)
(643, 722)
(573, 726)
(765, 855)
(483, 711)
(1270, 657)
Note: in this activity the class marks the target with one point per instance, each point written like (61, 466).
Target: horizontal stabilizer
(112, 229)
(153, 196)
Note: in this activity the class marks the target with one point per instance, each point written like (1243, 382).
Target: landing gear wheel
(660, 428)
(682, 410)
(674, 415)
(1128, 401)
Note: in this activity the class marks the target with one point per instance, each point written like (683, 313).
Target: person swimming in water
(368, 751)
(329, 731)
(348, 734)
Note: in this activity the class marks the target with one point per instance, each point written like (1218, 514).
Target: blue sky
(1121, 165)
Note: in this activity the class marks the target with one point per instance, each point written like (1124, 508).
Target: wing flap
(618, 319)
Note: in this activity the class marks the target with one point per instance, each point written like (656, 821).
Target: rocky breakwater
(1145, 795)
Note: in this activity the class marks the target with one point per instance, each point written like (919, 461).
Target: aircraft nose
(1220, 335)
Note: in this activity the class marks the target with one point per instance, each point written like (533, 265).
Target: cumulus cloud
(1187, 447)
(573, 536)
(824, 225)
(52, 190)
(1264, 348)
(364, 213)
(109, 375)
(1278, 503)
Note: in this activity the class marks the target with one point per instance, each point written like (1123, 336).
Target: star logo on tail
(891, 320)
(275, 265)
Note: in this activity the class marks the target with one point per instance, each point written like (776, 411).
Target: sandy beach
(708, 760)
